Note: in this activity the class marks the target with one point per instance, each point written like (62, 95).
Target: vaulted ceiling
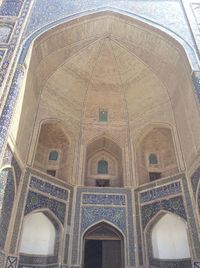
(107, 61)
(104, 75)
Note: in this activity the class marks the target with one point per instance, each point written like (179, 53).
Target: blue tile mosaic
(39, 266)
(7, 195)
(9, 159)
(102, 199)
(39, 201)
(5, 9)
(27, 260)
(195, 180)
(166, 13)
(14, 89)
(119, 215)
(2, 52)
(91, 215)
(191, 218)
(5, 32)
(48, 188)
(20, 212)
(196, 81)
(160, 192)
(11, 7)
(174, 205)
(185, 263)
(9, 106)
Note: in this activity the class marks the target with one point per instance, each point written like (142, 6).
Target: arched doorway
(103, 247)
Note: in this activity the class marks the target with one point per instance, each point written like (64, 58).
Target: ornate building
(100, 133)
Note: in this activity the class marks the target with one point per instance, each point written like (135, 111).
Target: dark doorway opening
(153, 176)
(102, 254)
(103, 248)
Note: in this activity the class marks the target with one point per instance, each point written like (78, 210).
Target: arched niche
(7, 197)
(38, 235)
(52, 150)
(104, 150)
(169, 238)
(155, 155)
(40, 239)
(103, 246)
(136, 45)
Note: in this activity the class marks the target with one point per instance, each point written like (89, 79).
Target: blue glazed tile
(7, 195)
(48, 188)
(174, 205)
(160, 192)
(91, 215)
(102, 199)
(11, 7)
(9, 159)
(39, 201)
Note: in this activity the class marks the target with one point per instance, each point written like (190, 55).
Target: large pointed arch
(41, 237)
(158, 240)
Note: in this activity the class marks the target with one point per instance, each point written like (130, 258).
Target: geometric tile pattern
(197, 264)
(11, 262)
(185, 263)
(174, 205)
(159, 192)
(5, 32)
(48, 188)
(91, 215)
(9, 159)
(10, 8)
(168, 14)
(195, 179)
(196, 81)
(26, 260)
(102, 199)
(7, 195)
(39, 201)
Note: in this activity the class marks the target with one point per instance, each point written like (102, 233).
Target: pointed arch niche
(52, 150)
(40, 238)
(156, 157)
(103, 246)
(104, 164)
(167, 241)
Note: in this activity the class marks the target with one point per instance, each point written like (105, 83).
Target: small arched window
(102, 167)
(153, 160)
(53, 155)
